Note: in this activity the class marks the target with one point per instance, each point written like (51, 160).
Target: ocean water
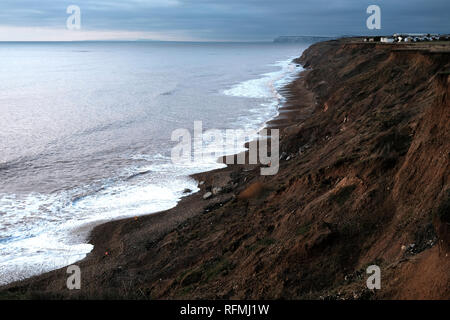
(85, 133)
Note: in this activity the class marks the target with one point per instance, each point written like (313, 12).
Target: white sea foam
(267, 88)
(54, 228)
(268, 84)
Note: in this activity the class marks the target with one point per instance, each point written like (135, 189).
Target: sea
(85, 133)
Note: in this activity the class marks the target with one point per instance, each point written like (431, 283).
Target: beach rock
(207, 195)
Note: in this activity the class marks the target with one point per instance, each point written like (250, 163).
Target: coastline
(284, 233)
(88, 229)
(188, 206)
(282, 70)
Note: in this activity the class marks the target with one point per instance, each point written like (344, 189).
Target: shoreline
(89, 228)
(207, 177)
(341, 200)
(97, 230)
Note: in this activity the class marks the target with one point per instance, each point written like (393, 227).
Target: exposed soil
(367, 133)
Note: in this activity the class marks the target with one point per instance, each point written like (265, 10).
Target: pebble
(207, 195)
(216, 190)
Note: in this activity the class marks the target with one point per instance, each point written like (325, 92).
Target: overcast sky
(227, 20)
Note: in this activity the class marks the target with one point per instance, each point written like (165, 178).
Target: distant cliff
(296, 39)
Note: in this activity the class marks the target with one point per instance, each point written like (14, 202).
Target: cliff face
(384, 115)
(367, 133)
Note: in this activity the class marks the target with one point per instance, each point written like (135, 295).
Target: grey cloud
(233, 19)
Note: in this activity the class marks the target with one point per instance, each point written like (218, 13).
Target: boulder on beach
(207, 195)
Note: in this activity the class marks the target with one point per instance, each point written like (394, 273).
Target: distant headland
(295, 39)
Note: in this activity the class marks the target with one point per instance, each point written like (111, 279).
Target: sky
(215, 20)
